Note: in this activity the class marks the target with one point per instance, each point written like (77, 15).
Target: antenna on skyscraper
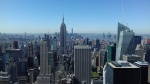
(63, 18)
(123, 21)
(122, 13)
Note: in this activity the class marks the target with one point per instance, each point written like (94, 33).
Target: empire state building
(63, 33)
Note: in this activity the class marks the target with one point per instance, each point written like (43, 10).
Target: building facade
(132, 58)
(63, 34)
(143, 71)
(125, 42)
(15, 45)
(97, 44)
(137, 40)
(121, 27)
(111, 55)
(121, 73)
(140, 51)
(82, 65)
(44, 66)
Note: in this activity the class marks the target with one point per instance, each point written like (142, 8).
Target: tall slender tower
(63, 37)
(125, 42)
(44, 66)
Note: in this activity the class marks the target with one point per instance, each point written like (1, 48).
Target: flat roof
(4, 77)
(13, 50)
(3, 73)
(82, 47)
(142, 63)
(131, 65)
(131, 55)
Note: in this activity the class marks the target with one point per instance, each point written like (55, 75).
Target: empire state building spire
(63, 34)
(63, 19)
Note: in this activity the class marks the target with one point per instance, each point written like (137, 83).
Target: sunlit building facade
(125, 43)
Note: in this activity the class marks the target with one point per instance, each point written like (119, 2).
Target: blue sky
(84, 16)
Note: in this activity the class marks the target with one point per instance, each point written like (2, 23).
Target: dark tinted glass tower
(111, 52)
(15, 54)
(86, 41)
(0, 51)
(137, 40)
(15, 45)
(143, 71)
(121, 73)
(98, 44)
(11, 68)
(30, 49)
(48, 42)
(147, 56)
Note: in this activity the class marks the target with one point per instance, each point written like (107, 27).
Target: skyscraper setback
(63, 34)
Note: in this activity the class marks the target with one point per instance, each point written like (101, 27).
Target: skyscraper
(15, 54)
(54, 44)
(47, 38)
(63, 34)
(44, 66)
(30, 55)
(11, 68)
(30, 49)
(137, 40)
(15, 45)
(97, 44)
(125, 42)
(86, 41)
(103, 59)
(111, 52)
(121, 27)
(121, 72)
(82, 66)
(143, 65)
(140, 51)
(48, 41)
(51, 61)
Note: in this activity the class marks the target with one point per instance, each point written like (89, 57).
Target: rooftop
(13, 50)
(122, 64)
(131, 55)
(142, 63)
(82, 47)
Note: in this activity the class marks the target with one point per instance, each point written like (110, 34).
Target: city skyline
(93, 16)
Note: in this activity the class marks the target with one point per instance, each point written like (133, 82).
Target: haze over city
(74, 42)
(84, 16)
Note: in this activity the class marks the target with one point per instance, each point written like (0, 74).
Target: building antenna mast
(123, 21)
(122, 13)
